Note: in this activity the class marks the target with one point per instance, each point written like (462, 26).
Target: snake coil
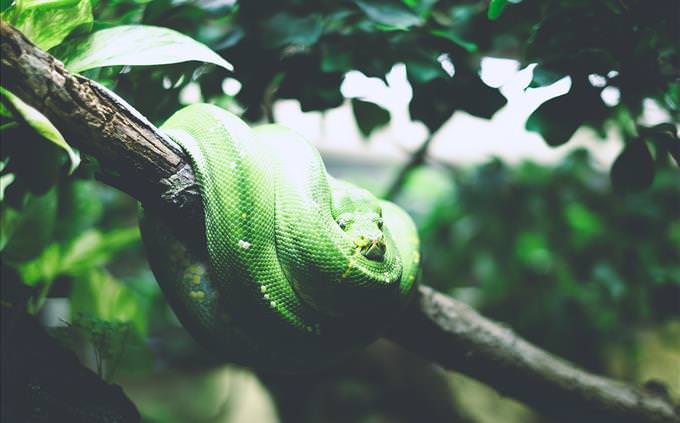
(298, 268)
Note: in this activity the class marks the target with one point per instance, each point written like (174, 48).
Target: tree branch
(450, 333)
(145, 164)
(136, 157)
(417, 158)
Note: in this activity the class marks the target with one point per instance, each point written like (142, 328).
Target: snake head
(365, 230)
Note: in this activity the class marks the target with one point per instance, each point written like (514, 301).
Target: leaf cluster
(301, 50)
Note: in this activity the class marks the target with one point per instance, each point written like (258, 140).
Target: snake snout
(373, 248)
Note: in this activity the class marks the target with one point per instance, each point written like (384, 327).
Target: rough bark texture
(452, 334)
(142, 162)
(136, 157)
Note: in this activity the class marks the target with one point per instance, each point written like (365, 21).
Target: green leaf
(135, 45)
(369, 116)
(36, 164)
(585, 224)
(91, 250)
(44, 269)
(285, 29)
(5, 4)
(423, 7)
(42, 125)
(532, 249)
(543, 76)
(48, 22)
(633, 170)
(435, 101)
(114, 318)
(422, 72)
(80, 208)
(450, 35)
(5, 181)
(97, 293)
(496, 8)
(672, 96)
(390, 13)
(666, 132)
(314, 89)
(9, 217)
(28, 231)
(557, 119)
(94, 248)
(4, 112)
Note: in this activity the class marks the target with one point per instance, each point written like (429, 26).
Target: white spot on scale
(273, 304)
(266, 296)
(244, 244)
(342, 221)
(263, 289)
(232, 165)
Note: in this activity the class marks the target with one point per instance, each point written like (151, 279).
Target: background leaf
(97, 293)
(369, 116)
(556, 119)
(543, 76)
(633, 170)
(435, 101)
(284, 29)
(496, 8)
(47, 23)
(28, 231)
(389, 13)
(152, 46)
(90, 250)
(42, 125)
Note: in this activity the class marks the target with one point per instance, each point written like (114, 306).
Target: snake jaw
(371, 248)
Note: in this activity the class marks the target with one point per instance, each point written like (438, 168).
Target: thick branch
(450, 333)
(435, 326)
(134, 155)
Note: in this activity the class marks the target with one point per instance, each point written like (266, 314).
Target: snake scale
(297, 268)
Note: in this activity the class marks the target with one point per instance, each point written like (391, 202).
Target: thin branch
(435, 326)
(417, 158)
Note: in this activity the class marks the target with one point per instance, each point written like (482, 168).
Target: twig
(417, 158)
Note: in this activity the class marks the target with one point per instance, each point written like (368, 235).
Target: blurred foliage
(301, 50)
(573, 258)
(552, 251)
(48, 22)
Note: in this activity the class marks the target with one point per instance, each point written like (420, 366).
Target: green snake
(297, 268)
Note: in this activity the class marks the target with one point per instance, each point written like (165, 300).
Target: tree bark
(144, 163)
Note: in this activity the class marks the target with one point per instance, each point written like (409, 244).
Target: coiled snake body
(298, 268)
